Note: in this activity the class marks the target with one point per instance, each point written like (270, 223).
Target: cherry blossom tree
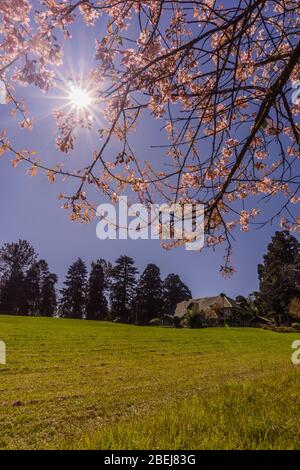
(221, 78)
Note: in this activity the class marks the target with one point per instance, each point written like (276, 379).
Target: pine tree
(31, 290)
(12, 293)
(48, 300)
(16, 259)
(122, 289)
(39, 295)
(73, 295)
(149, 297)
(97, 307)
(175, 291)
(279, 276)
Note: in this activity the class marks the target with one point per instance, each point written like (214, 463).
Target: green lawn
(83, 384)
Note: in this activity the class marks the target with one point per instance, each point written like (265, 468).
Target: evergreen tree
(48, 300)
(97, 308)
(122, 288)
(12, 293)
(39, 295)
(149, 296)
(175, 291)
(31, 290)
(73, 295)
(16, 259)
(279, 276)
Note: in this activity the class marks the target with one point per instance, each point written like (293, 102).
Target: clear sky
(30, 209)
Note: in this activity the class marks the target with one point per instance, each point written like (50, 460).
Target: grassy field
(94, 385)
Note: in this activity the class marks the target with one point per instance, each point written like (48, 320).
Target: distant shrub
(185, 322)
(296, 326)
(176, 321)
(194, 318)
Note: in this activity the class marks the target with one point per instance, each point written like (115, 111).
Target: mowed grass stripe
(72, 383)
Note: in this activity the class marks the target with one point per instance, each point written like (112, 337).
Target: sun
(80, 98)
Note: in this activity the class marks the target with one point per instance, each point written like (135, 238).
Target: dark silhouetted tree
(16, 259)
(31, 290)
(48, 299)
(73, 295)
(122, 288)
(175, 291)
(279, 276)
(39, 295)
(294, 309)
(97, 306)
(149, 295)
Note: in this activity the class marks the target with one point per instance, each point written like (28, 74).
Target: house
(212, 310)
(218, 310)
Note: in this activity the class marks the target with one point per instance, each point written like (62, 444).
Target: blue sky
(30, 209)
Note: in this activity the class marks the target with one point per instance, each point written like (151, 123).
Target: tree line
(116, 292)
(105, 292)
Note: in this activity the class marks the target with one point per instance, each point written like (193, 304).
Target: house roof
(205, 304)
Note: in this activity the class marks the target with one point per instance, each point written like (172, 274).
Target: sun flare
(80, 98)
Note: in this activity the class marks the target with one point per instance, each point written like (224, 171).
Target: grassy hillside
(71, 384)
